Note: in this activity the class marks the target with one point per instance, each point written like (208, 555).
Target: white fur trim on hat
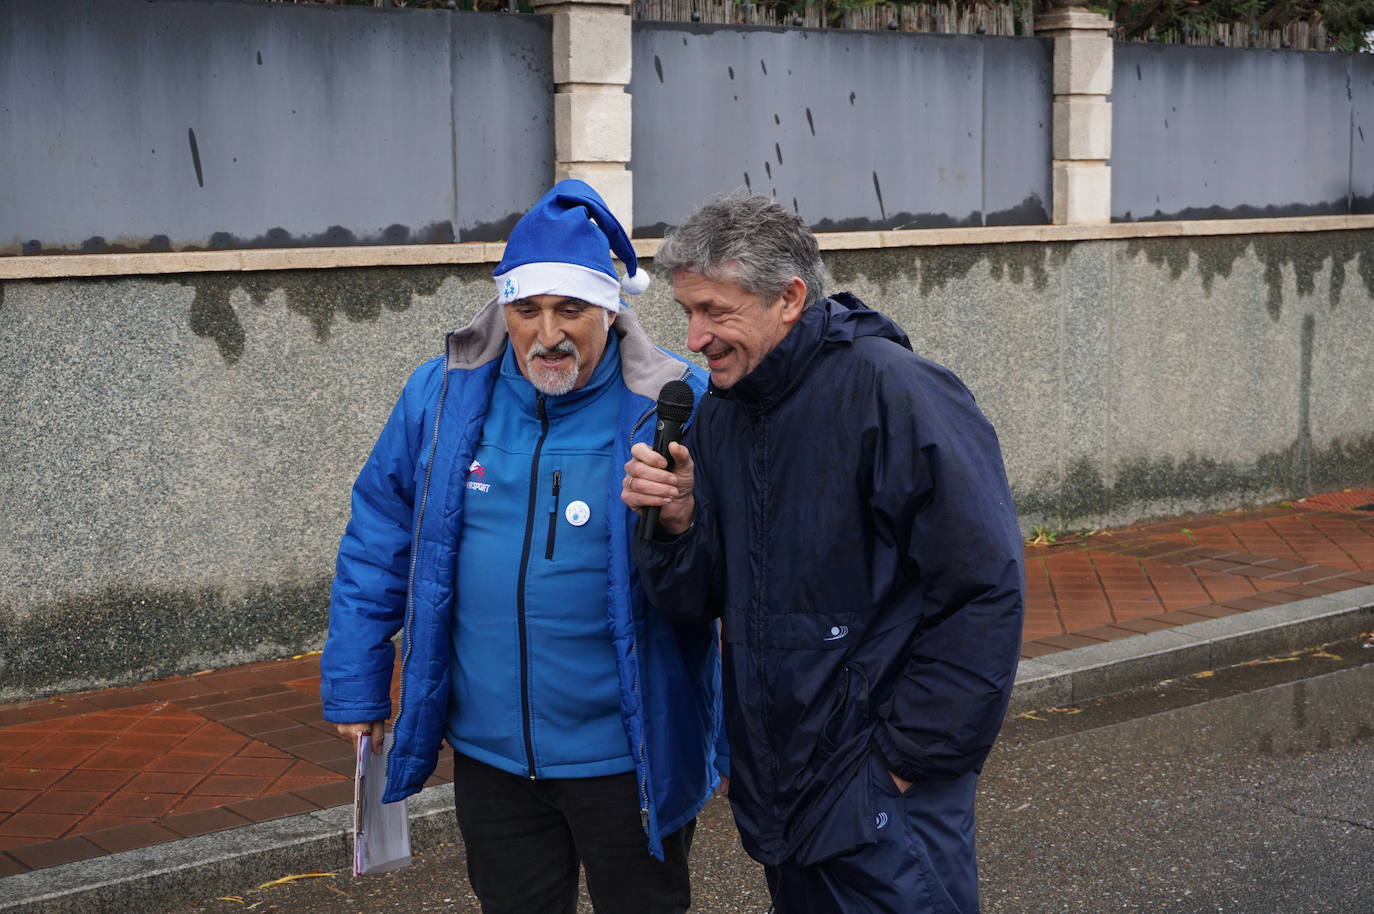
(555, 278)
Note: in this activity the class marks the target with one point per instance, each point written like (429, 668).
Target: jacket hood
(835, 321)
(847, 319)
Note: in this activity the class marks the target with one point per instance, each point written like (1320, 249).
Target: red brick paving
(101, 772)
(1151, 577)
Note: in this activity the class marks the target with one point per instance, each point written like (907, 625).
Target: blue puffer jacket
(396, 570)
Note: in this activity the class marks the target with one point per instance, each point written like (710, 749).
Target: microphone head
(675, 401)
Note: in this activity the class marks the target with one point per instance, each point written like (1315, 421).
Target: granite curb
(165, 875)
(178, 872)
(1115, 666)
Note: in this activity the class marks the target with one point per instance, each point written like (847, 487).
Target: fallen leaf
(1067, 710)
(293, 878)
(1324, 655)
(1032, 715)
(1270, 660)
(1021, 807)
(1204, 674)
(234, 898)
(306, 654)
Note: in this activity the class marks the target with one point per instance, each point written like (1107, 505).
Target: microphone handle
(665, 433)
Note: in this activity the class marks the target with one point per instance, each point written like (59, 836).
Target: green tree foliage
(1347, 21)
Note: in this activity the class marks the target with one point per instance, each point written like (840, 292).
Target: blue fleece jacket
(532, 584)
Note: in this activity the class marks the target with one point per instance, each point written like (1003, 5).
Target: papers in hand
(381, 831)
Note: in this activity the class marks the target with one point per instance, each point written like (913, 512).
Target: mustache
(539, 349)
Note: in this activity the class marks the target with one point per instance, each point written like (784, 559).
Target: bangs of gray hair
(747, 239)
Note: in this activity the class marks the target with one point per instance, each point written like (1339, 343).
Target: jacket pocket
(553, 513)
(848, 712)
(848, 824)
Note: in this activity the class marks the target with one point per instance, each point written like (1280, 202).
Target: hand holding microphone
(659, 479)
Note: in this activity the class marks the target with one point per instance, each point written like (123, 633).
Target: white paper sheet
(381, 831)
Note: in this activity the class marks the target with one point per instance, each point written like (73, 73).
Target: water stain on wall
(1084, 498)
(931, 269)
(333, 236)
(123, 634)
(321, 296)
(1217, 255)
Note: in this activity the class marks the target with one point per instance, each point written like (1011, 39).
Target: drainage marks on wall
(318, 295)
(1305, 253)
(129, 634)
(1191, 483)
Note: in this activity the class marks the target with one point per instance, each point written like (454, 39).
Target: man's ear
(793, 300)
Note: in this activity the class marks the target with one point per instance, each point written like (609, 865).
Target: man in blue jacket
(841, 504)
(487, 526)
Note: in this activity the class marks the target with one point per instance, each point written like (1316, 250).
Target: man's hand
(376, 731)
(649, 483)
(901, 784)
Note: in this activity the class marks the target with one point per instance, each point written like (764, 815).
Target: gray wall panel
(1205, 132)
(857, 130)
(1018, 103)
(1362, 133)
(502, 119)
(128, 124)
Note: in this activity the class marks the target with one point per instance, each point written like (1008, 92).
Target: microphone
(674, 409)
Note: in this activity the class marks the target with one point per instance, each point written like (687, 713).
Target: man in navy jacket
(487, 525)
(841, 505)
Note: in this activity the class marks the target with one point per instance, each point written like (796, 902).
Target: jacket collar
(643, 366)
(783, 368)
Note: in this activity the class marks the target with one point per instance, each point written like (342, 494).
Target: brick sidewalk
(100, 772)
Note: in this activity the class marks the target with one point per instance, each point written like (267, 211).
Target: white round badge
(578, 513)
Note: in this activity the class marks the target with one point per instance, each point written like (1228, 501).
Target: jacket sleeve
(681, 575)
(941, 502)
(367, 604)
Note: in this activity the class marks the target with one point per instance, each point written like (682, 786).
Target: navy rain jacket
(855, 531)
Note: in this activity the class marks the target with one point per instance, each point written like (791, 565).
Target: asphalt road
(1250, 790)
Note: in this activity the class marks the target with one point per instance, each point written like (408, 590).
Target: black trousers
(525, 840)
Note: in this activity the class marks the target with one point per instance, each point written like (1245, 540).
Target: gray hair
(747, 239)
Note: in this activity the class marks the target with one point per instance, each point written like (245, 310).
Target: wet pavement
(1248, 789)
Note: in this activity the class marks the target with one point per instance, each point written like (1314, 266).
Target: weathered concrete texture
(179, 454)
(180, 449)
(1130, 379)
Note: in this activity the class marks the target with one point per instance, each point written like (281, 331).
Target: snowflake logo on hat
(509, 289)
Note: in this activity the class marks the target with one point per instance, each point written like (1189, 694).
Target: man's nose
(550, 329)
(698, 333)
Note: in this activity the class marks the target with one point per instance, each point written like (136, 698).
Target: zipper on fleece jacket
(542, 412)
(553, 513)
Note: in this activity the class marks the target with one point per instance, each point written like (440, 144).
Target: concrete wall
(1208, 133)
(169, 125)
(179, 450)
(855, 130)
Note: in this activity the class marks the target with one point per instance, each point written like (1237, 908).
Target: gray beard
(554, 384)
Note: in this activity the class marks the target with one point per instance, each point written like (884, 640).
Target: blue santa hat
(562, 247)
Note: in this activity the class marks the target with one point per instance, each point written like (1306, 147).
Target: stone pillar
(1082, 132)
(591, 109)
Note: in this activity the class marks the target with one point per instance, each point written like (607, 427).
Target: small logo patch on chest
(477, 475)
